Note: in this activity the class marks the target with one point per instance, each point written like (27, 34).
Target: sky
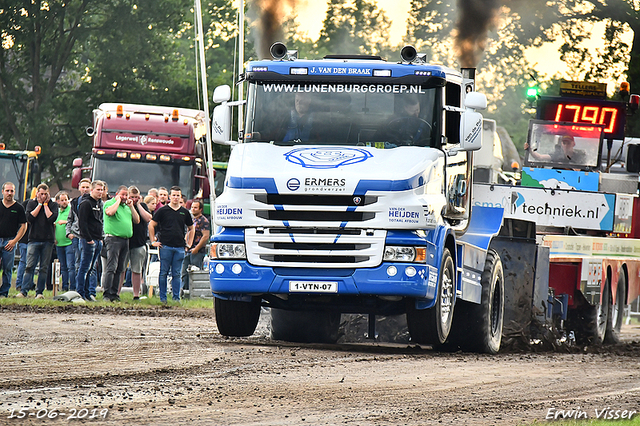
(311, 14)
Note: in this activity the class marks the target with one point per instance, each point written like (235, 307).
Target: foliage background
(60, 59)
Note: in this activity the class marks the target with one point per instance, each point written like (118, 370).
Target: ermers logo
(324, 184)
(327, 158)
(293, 184)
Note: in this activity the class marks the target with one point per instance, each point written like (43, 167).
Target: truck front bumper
(241, 278)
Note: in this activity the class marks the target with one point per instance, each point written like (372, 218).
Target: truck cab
(21, 168)
(147, 146)
(350, 192)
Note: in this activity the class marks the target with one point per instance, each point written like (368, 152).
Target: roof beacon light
(624, 89)
(119, 111)
(175, 115)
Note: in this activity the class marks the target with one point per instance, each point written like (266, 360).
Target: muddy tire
(432, 326)
(478, 327)
(305, 327)
(237, 319)
(616, 313)
(589, 322)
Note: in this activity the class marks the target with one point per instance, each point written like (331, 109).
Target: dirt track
(173, 368)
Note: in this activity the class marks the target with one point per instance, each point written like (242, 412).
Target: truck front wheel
(432, 326)
(237, 319)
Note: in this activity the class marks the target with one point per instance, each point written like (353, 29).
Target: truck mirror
(222, 94)
(221, 125)
(76, 175)
(475, 101)
(470, 131)
(633, 158)
(77, 162)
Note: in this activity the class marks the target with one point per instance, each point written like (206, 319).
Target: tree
(356, 26)
(61, 59)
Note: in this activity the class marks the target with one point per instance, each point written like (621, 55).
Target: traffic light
(532, 94)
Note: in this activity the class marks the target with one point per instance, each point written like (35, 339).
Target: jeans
(89, 254)
(117, 251)
(191, 259)
(170, 258)
(67, 259)
(37, 251)
(22, 248)
(6, 265)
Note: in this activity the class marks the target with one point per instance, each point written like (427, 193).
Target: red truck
(147, 146)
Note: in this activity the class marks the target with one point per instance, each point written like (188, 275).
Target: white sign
(549, 207)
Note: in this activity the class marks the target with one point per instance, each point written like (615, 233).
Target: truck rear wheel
(432, 326)
(305, 327)
(237, 319)
(589, 322)
(616, 313)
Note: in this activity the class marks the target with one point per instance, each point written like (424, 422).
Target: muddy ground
(171, 367)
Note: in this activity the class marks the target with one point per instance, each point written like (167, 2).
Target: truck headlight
(405, 254)
(228, 251)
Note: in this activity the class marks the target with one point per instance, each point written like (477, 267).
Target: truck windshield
(143, 175)
(561, 145)
(384, 116)
(12, 170)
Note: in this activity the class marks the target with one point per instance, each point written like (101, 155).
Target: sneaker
(20, 296)
(136, 298)
(92, 299)
(115, 299)
(38, 296)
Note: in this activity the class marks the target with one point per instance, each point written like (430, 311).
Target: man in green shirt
(66, 254)
(119, 216)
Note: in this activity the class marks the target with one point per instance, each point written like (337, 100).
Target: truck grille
(299, 247)
(315, 208)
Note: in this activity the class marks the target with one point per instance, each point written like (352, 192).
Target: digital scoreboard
(610, 114)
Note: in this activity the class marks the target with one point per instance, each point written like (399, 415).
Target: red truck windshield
(341, 114)
(143, 175)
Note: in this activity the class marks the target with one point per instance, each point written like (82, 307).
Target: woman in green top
(66, 255)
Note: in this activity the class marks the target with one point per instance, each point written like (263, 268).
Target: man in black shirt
(42, 213)
(90, 223)
(13, 224)
(171, 221)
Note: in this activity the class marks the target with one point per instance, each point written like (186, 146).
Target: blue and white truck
(349, 191)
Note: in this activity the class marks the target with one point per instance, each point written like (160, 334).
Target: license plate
(313, 287)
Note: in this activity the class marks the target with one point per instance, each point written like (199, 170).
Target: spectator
(66, 256)
(119, 216)
(90, 220)
(22, 250)
(163, 197)
(153, 192)
(42, 213)
(195, 253)
(151, 202)
(171, 221)
(13, 225)
(73, 227)
(138, 242)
